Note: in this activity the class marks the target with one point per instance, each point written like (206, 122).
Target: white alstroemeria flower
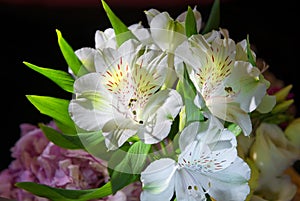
(272, 152)
(229, 88)
(208, 164)
(279, 188)
(123, 98)
(292, 132)
(166, 32)
(107, 39)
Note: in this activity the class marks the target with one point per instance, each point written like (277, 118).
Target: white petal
(292, 132)
(129, 50)
(187, 186)
(159, 113)
(142, 34)
(158, 180)
(230, 183)
(117, 131)
(190, 133)
(212, 150)
(231, 112)
(251, 85)
(150, 14)
(211, 36)
(166, 33)
(267, 104)
(241, 51)
(105, 39)
(108, 58)
(198, 17)
(154, 131)
(193, 51)
(86, 56)
(278, 188)
(271, 151)
(91, 108)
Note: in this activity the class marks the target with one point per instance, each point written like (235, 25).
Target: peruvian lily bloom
(123, 97)
(292, 132)
(278, 188)
(229, 88)
(208, 164)
(168, 34)
(107, 39)
(272, 152)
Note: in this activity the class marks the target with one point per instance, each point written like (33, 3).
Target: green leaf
(128, 170)
(56, 108)
(60, 139)
(61, 78)
(235, 129)
(122, 179)
(94, 143)
(249, 53)
(72, 60)
(59, 194)
(213, 21)
(121, 30)
(190, 23)
(174, 128)
(187, 90)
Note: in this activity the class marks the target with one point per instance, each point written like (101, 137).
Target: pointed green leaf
(283, 93)
(128, 170)
(72, 60)
(94, 143)
(213, 21)
(249, 53)
(59, 194)
(61, 78)
(60, 139)
(56, 108)
(121, 30)
(235, 129)
(66, 129)
(188, 91)
(190, 23)
(122, 179)
(282, 107)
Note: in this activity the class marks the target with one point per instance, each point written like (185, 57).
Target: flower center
(204, 161)
(131, 88)
(190, 184)
(213, 72)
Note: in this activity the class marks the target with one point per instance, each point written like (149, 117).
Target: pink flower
(38, 160)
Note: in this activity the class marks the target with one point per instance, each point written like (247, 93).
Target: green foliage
(58, 194)
(61, 78)
(128, 170)
(188, 92)
(121, 30)
(190, 23)
(249, 53)
(72, 60)
(235, 129)
(213, 21)
(55, 108)
(60, 139)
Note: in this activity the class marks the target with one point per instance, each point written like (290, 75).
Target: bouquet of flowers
(174, 111)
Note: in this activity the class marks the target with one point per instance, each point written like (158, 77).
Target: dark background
(28, 34)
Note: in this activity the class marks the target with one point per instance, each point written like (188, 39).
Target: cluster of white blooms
(180, 107)
(138, 88)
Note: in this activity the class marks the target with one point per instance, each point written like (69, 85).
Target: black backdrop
(28, 34)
